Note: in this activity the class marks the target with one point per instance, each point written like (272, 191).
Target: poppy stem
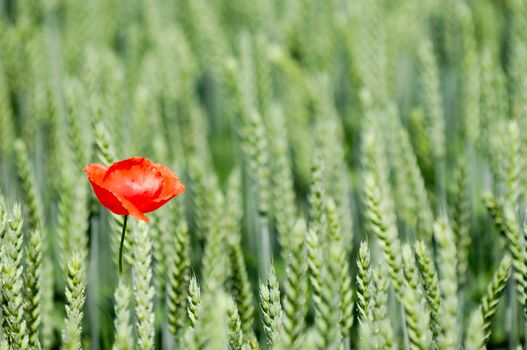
(122, 244)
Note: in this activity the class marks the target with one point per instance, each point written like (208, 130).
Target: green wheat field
(355, 174)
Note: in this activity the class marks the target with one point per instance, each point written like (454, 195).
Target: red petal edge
(112, 201)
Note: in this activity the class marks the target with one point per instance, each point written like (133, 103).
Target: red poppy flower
(133, 186)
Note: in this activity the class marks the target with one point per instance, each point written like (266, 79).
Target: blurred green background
(281, 92)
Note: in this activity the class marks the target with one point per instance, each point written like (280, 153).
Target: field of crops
(354, 174)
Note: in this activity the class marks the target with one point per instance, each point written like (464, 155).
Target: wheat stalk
(144, 292)
(76, 296)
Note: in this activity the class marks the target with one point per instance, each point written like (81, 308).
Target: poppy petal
(134, 211)
(95, 174)
(134, 186)
(135, 179)
(115, 203)
(129, 163)
(172, 185)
